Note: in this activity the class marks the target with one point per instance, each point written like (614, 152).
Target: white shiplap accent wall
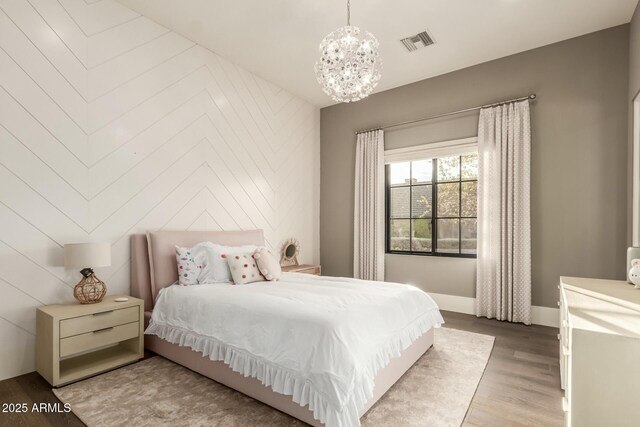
(111, 124)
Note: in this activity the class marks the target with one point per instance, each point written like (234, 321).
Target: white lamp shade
(87, 255)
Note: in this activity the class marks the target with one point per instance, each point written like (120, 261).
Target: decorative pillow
(190, 263)
(244, 269)
(267, 264)
(216, 269)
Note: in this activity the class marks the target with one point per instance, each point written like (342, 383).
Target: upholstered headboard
(153, 256)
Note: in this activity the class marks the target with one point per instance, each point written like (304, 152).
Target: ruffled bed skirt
(287, 382)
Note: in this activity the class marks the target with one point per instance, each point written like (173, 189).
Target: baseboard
(545, 316)
(454, 303)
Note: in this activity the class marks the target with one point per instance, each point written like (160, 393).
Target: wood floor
(520, 387)
(521, 384)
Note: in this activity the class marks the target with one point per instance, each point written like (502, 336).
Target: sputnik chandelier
(349, 66)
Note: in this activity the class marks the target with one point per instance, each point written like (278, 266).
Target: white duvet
(319, 339)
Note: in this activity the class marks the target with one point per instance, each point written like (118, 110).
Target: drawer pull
(103, 330)
(558, 303)
(103, 312)
(558, 336)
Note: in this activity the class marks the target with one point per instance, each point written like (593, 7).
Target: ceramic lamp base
(90, 290)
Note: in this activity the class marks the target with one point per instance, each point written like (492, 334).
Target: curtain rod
(466, 110)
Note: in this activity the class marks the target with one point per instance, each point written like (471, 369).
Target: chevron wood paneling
(111, 124)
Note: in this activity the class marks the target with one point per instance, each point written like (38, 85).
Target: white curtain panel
(368, 224)
(503, 287)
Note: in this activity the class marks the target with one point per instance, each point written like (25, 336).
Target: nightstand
(75, 341)
(303, 268)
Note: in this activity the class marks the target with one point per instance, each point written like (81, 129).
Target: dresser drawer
(98, 338)
(97, 321)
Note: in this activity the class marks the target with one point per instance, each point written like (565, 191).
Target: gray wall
(634, 87)
(579, 157)
(634, 54)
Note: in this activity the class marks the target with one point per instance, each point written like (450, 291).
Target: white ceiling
(278, 39)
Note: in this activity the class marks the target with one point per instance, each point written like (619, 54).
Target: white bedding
(319, 339)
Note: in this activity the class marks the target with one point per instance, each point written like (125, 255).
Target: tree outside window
(432, 206)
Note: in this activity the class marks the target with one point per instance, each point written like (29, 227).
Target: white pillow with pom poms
(267, 264)
(244, 269)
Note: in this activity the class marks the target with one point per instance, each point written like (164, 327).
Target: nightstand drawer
(97, 321)
(98, 338)
(310, 270)
(303, 268)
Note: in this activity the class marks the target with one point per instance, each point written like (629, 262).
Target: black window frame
(434, 211)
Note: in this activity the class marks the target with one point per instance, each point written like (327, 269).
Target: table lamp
(86, 256)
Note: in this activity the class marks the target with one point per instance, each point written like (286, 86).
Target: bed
(329, 385)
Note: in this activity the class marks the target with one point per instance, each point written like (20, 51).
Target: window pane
(400, 173)
(399, 202)
(421, 201)
(448, 236)
(469, 228)
(399, 235)
(448, 199)
(421, 171)
(421, 237)
(470, 166)
(469, 198)
(449, 168)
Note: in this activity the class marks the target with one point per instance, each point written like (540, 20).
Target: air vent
(422, 39)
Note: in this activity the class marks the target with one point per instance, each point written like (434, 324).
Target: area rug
(436, 391)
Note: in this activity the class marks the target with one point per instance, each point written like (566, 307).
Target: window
(432, 206)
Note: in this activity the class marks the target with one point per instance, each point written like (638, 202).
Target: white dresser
(600, 352)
